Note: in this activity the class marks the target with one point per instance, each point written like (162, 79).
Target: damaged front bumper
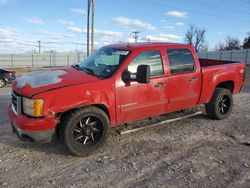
(33, 136)
(30, 129)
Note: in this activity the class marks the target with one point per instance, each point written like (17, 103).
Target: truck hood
(33, 83)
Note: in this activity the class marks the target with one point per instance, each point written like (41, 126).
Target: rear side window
(180, 61)
(151, 58)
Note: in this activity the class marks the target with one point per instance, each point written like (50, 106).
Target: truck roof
(146, 44)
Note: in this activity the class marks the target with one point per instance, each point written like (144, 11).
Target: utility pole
(135, 35)
(92, 26)
(39, 46)
(88, 15)
(90, 6)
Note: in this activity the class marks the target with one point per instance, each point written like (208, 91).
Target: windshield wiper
(77, 66)
(89, 71)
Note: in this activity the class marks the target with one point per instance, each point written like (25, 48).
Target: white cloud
(4, 2)
(66, 22)
(105, 33)
(221, 33)
(78, 11)
(164, 38)
(99, 33)
(180, 24)
(13, 41)
(35, 20)
(168, 27)
(101, 37)
(163, 20)
(53, 35)
(75, 29)
(132, 23)
(176, 14)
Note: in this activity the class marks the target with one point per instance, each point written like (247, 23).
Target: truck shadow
(57, 147)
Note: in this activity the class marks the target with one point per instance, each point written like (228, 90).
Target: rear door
(184, 81)
(138, 101)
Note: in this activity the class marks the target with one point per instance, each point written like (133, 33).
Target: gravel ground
(196, 152)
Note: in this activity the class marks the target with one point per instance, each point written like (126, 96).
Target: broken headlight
(32, 107)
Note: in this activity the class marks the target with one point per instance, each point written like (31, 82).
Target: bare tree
(230, 44)
(220, 47)
(196, 37)
(246, 43)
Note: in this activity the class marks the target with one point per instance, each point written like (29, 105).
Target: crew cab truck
(118, 84)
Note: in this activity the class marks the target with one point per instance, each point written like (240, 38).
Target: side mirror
(143, 74)
(126, 76)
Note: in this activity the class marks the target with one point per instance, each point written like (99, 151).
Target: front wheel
(85, 130)
(220, 105)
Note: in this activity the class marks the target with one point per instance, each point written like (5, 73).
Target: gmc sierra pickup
(118, 84)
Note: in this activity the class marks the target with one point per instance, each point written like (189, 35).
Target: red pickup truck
(118, 84)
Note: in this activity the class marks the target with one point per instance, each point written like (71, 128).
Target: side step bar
(121, 132)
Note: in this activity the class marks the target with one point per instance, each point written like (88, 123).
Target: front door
(138, 101)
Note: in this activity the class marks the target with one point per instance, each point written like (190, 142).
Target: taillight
(9, 73)
(244, 74)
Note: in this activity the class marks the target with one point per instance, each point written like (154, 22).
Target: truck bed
(216, 72)
(212, 62)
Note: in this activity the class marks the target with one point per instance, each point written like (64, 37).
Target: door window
(151, 58)
(180, 61)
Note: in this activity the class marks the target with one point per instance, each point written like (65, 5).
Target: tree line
(196, 37)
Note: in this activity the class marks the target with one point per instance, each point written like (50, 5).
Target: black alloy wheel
(85, 130)
(220, 105)
(88, 130)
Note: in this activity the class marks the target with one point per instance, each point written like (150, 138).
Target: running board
(159, 123)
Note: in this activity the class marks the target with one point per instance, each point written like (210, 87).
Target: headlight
(32, 107)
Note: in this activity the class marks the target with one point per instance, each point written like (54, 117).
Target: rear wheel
(220, 105)
(2, 83)
(85, 130)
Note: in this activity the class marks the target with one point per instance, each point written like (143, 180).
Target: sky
(61, 25)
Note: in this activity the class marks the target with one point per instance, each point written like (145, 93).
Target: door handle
(193, 79)
(160, 84)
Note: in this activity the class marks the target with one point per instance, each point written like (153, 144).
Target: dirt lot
(196, 152)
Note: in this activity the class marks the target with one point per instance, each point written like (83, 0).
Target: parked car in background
(6, 77)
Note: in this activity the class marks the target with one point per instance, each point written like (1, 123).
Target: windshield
(104, 62)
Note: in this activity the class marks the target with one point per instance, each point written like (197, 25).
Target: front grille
(16, 103)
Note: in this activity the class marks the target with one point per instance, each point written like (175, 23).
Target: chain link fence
(230, 55)
(40, 60)
(62, 59)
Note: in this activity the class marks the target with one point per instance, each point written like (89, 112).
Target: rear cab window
(180, 61)
(151, 58)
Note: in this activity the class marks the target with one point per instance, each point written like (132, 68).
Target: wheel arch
(63, 114)
(226, 85)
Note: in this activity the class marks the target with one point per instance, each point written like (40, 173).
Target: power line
(193, 11)
(245, 1)
(30, 43)
(218, 7)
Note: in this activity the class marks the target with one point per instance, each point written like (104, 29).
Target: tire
(2, 83)
(221, 104)
(85, 130)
